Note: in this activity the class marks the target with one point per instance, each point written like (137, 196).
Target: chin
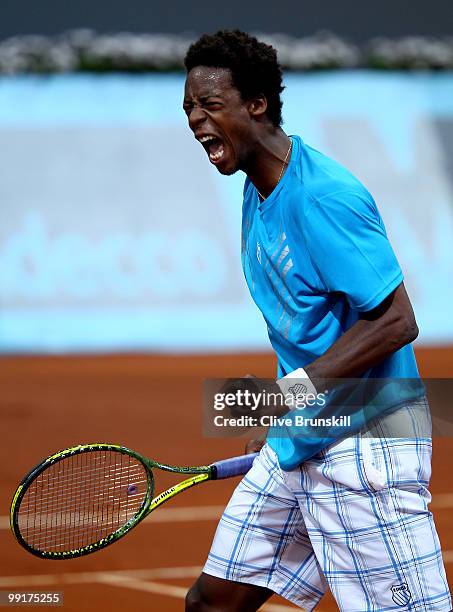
(227, 170)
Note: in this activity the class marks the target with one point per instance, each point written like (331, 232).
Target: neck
(266, 164)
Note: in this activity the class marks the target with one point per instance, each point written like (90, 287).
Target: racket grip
(236, 466)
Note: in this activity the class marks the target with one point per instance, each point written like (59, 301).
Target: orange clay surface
(153, 405)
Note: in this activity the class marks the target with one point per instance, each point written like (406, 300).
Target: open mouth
(213, 147)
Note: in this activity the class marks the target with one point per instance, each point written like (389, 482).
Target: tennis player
(351, 515)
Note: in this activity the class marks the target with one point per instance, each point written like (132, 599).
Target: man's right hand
(254, 446)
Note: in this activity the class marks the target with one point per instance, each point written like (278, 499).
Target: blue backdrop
(117, 233)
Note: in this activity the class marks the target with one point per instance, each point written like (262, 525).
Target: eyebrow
(204, 98)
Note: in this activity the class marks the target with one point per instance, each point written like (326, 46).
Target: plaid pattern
(355, 517)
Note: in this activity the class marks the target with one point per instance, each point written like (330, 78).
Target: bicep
(396, 303)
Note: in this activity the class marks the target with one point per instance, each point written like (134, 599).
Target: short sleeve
(349, 248)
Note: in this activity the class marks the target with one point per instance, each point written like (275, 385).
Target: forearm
(360, 348)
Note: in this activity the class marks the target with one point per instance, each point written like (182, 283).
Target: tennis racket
(84, 498)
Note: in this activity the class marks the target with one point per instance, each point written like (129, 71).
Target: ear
(257, 106)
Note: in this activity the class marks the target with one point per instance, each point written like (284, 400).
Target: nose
(196, 117)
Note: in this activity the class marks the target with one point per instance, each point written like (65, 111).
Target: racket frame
(199, 474)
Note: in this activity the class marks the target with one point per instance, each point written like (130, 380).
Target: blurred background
(120, 280)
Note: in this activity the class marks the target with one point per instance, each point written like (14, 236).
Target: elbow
(413, 332)
(407, 331)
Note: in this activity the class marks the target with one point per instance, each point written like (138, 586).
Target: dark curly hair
(253, 64)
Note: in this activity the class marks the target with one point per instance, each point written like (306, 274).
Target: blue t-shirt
(315, 254)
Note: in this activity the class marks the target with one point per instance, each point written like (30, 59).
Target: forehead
(205, 81)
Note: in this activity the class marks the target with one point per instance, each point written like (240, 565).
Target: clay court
(151, 404)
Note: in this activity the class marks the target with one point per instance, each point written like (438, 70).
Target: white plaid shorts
(353, 518)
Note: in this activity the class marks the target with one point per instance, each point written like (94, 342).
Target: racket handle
(236, 466)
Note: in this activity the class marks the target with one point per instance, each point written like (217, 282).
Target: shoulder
(330, 187)
(343, 213)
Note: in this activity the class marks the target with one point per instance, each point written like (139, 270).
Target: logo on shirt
(298, 391)
(258, 252)
(401, 594)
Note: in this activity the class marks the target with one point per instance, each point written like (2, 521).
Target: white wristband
(296, 386)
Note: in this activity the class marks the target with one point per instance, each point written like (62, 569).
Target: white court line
(187, 513)
(168, 515)
(158, 573)
(441, 501)
(167, 589)
(447, 556)
(141, 585)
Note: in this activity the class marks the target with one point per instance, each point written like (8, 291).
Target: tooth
(216, 156)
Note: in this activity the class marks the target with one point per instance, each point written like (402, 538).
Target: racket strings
(81, 499)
